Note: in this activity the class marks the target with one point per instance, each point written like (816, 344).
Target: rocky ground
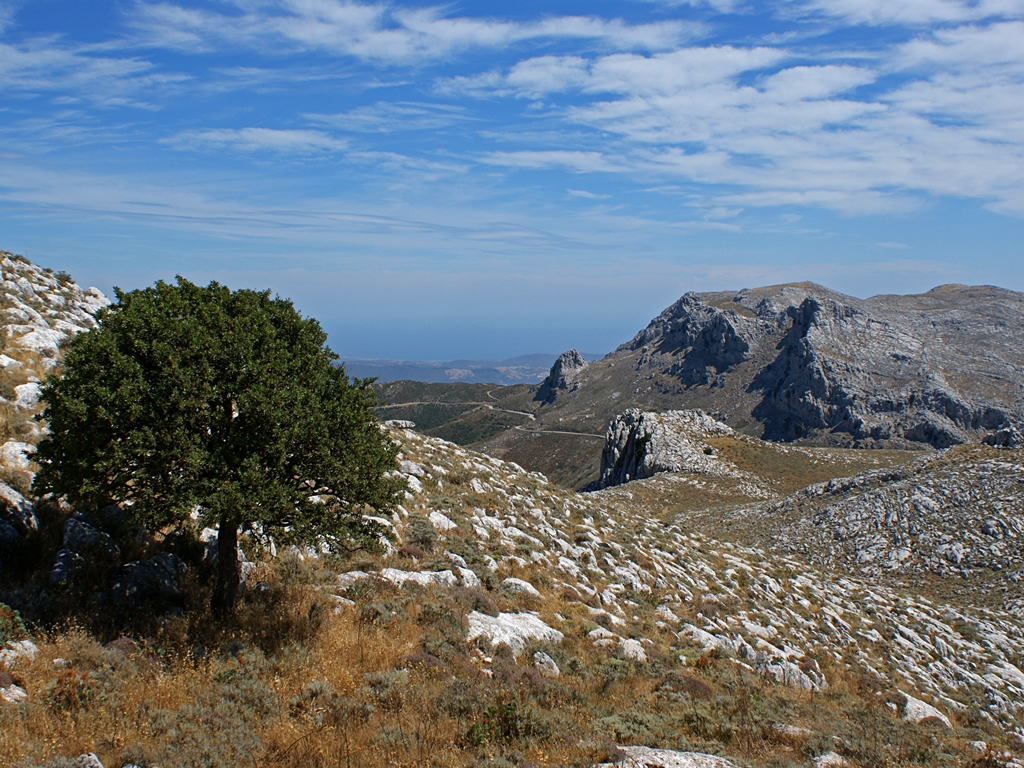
(771, 613)
(955, 515)
(742, 603)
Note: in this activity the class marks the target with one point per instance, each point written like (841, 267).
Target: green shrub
(11, 625)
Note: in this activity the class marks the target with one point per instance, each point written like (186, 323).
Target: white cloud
(586, 195)
(78, 73)
(380, 32)
(259, 139)
(916, 12)
(949, 120)
(388, 117)
(573, 160)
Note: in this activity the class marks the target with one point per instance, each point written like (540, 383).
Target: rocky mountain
(939, 368)
(802, 363)
(564, 376)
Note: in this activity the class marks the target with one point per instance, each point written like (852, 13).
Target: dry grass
(391, 681)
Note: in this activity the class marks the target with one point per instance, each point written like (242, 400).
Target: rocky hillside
(605, 570)
(720, 600)
(956, 515)
(39, 311)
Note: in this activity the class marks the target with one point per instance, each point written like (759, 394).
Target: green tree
(190, 399)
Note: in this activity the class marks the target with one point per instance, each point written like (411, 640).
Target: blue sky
(485, 179)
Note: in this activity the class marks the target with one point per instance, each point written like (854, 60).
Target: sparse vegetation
(657, 630)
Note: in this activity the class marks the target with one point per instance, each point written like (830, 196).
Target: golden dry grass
(391, 681)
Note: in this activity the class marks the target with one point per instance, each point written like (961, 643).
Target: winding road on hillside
(490, 407)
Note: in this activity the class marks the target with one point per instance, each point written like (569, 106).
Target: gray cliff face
(882, 369)
(564, 376)
(707, 340)
(804, 362)
(641, 444)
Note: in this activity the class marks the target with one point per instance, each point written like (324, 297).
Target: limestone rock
(411, 468)
(1008, 437)
(915, 711)
(640, 444)
(13, 694)
(513, 629)
(153, 580)
(441, 522)
(18, 652)
(20, 512)
(646, 757)
(520, 587)
(14, 454)
(565, 376)
(632, 650)
(89, 541)
(545, 665)
(65, 566)
(423, 578)
(830, 760)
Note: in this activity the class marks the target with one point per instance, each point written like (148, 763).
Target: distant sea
(525, 369)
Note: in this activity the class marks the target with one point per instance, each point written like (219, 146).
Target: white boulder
(423, 578)
(646, 757)
(442, 522)
(545, 665)
(27, 395)
(511, 628)
(915, 710)
(14, 454)
(520, 587)
(13, 694)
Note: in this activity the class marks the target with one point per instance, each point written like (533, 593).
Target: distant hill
(525, 369)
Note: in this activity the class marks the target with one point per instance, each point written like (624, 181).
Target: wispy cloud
(586, 195)
(259, 139)
(572, 160)
(942, 114)
(380, 32)
(389, 117)
(916, 12)
(46, 65)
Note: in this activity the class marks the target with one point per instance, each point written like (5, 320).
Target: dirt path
(490, 407)
(558, 432)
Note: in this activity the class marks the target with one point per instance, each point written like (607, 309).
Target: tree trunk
(225, 592)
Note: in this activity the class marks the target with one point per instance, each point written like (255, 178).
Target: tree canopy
(227, 403)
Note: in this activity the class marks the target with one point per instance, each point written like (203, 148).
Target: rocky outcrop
(513, 629)
(703, 340)
(42, 310)
(564, 376)
(880, 373)
(640, 444)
